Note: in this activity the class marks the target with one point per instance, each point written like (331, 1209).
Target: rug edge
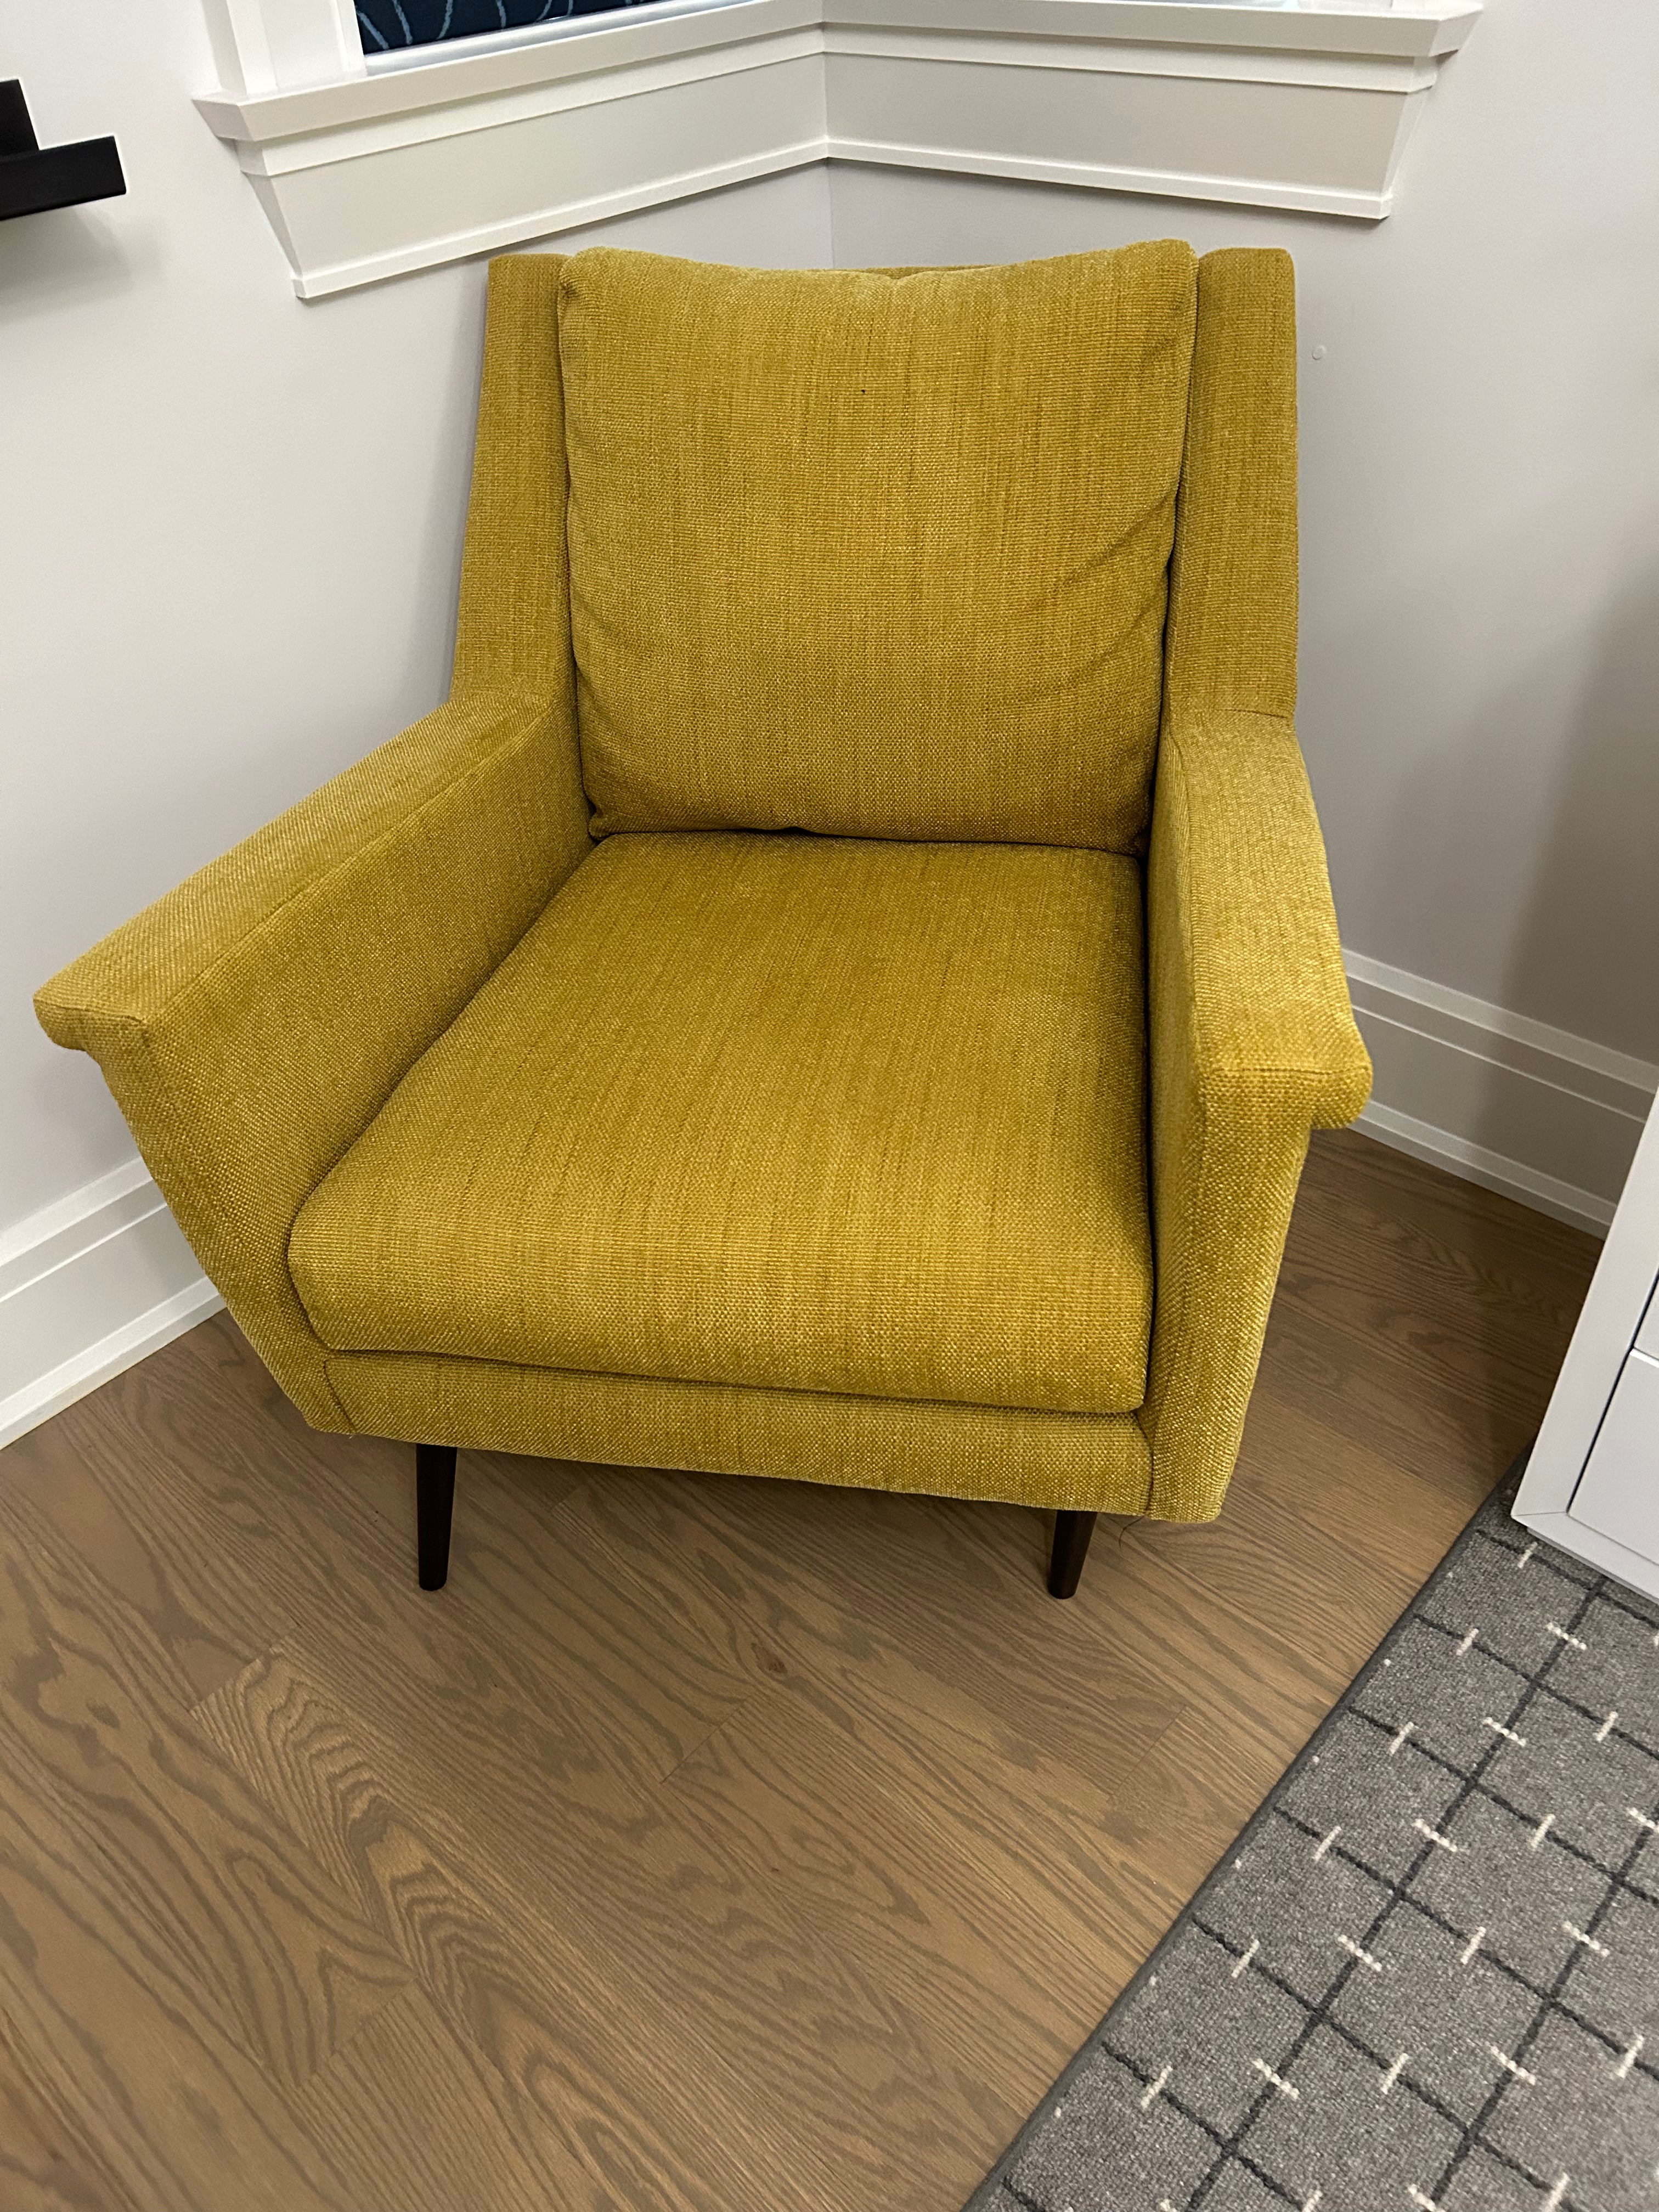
(985, 2193)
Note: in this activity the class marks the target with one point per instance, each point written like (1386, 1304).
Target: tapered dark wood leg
(1072, 1534)
(434, 1502)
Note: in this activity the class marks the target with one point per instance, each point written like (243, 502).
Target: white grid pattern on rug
(1427, 1976)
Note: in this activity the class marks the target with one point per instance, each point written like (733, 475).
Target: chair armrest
(252, 1022)
(1252, 1046)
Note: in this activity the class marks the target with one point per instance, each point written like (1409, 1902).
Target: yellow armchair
(842, 990)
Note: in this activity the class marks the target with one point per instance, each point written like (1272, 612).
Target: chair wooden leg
(1072, 1534)
(434, 1500)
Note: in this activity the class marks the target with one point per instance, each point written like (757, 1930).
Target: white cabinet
(1592, 1483)
(1618, 1493)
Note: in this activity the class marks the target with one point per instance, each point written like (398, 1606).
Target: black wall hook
(34, 177)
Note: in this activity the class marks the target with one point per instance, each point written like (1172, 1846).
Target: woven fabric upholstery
(1253, 1042)
(251, 1022)
(1081, 1462)
(1252, 1046)
(952, 1273)
(874, 555)
(806, 1114)
(1230, 639)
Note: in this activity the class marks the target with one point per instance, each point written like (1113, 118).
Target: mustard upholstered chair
(843, 988)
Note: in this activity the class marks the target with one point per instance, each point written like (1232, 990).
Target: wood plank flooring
(707, 1845)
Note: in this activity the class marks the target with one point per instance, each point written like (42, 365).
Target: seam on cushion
(472, 1359)
(695, 1382)
(1222, 1073)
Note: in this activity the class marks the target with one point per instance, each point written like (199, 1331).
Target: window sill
(405, 167)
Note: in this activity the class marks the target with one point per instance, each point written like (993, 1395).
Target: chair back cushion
(874, 554)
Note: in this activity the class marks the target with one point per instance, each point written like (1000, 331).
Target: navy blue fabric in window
(386, 23)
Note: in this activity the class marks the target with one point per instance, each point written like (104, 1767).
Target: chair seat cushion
(793, 1112)
(872, 555)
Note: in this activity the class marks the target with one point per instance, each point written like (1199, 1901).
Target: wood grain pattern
(706, 1845)
(46, 2162)
(219, 1912)
(417, 2119)
(623, 1920)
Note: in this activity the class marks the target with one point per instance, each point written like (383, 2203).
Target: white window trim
(367, 171)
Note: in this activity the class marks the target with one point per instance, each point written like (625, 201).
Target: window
(390, 26)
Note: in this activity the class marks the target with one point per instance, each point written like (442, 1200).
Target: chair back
(884, 554)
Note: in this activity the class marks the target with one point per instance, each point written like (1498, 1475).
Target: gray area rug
(1426, 1977)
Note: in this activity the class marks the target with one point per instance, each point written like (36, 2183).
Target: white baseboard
(94, 1284)
(88, 1287)
(1503, 1101)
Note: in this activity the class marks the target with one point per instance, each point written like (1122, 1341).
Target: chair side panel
(513, 628)
(1230, 642)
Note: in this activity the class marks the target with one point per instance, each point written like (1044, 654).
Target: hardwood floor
(708, 1844)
